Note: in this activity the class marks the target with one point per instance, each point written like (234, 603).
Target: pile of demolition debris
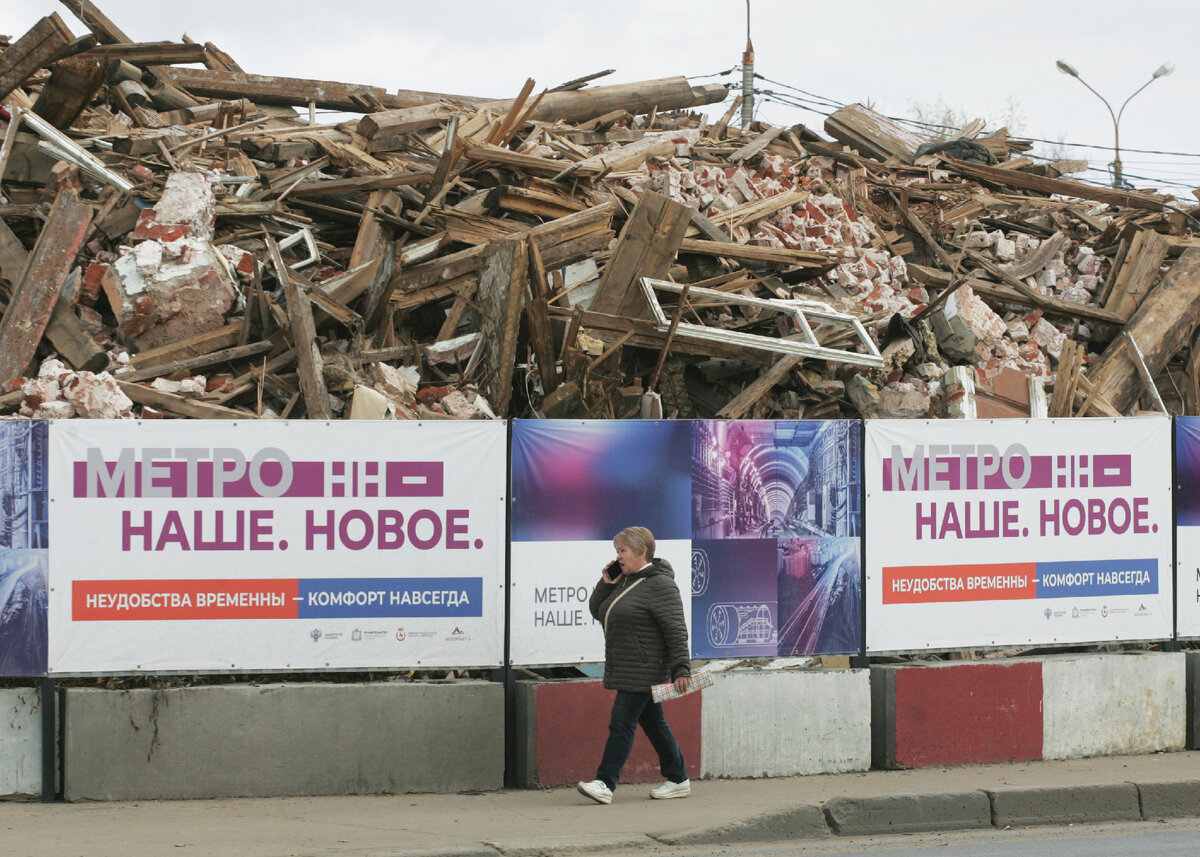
(179, 241)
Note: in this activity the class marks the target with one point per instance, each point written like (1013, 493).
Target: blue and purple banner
(1187, 524)
(760, 520)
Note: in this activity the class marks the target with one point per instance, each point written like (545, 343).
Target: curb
(919, 813)
(803, 822)
(1065, 805)
(979, 809)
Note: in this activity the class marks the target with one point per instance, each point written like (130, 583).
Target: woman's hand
(681, 683)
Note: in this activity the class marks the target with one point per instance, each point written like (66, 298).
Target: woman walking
(645, 643)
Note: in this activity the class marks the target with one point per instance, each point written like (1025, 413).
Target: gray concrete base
(280, 740)
(803, 822)
(1074, 805)
(864, 816)
(1193, 690)
(1170, 800)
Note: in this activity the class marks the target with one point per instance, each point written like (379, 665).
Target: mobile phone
(613, 569)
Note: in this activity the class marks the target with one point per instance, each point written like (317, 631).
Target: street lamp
(1162, 71)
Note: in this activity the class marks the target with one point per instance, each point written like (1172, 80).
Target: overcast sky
(977, 58)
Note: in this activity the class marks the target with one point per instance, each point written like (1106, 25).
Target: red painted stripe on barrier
(572, 726)
(924, 584)
(967, 714)
(151, 600)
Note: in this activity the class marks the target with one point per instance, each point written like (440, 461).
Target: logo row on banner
(231, 546)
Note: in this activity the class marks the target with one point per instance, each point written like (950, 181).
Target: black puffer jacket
(645, 637)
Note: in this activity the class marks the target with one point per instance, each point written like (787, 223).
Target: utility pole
(748, 75)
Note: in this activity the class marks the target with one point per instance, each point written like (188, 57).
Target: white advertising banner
(1017, 532)
(552, 582)
(188, 545)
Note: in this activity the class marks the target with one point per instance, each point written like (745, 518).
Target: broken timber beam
(180, 405)
(503, 282)
(745, 400)
(39, 47)
(1059, 187)
(1162, 326)
(646, 248)
(299, 92)
(41, 282)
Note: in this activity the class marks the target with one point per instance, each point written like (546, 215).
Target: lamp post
(1162, 71)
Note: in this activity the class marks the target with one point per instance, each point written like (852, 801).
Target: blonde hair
(638, 539)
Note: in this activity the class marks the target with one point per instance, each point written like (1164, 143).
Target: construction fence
(134, 547)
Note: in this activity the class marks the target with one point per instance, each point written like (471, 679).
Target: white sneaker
(670, 790)
(596, 790)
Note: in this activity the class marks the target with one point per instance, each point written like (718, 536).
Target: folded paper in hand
(699, 680)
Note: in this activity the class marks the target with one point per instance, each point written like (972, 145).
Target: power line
(801, 99)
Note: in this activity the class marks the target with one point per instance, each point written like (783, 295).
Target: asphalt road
(1145, 839)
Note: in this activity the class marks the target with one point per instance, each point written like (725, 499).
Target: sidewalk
(521, 823)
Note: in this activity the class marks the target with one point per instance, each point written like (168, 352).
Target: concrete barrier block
(283, 739)
(956, 713)
(562, 727)
(802, 822)
(1066, 805)
(866, 816)
(1170, 800)
(781, 723)
(20, 741)
(1193, 693)
(1114, 705)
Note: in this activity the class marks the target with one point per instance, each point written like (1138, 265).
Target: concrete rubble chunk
(162, 294)
(967, 329)
(97, 397)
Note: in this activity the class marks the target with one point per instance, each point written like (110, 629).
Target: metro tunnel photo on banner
(24, 537)
(785, 496)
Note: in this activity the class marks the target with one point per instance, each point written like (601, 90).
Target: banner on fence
(760, 519)
(272, 545)
(23, 541)
(1187, 522)
(990, 533)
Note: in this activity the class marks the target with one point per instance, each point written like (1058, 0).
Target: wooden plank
(225, 355)
(41, 282)
(376, 240)
(1066, 379)
(72, 84)
(872, 134)
(749, 396)
(1058, 187)
(1140, 271)
(44, 42)
(96, 21)
(755, 146)
(1162, 326)
(150, 53)
(200, 343)
(751, 253)
(541, 335)
(304, 340)
(72, 341)
(300, 92)
(627, 157)
(554, 240)
(646, 248)
(359, 184)
(503, 281)
(180, 405)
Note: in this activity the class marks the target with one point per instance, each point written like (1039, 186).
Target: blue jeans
(630, 709)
